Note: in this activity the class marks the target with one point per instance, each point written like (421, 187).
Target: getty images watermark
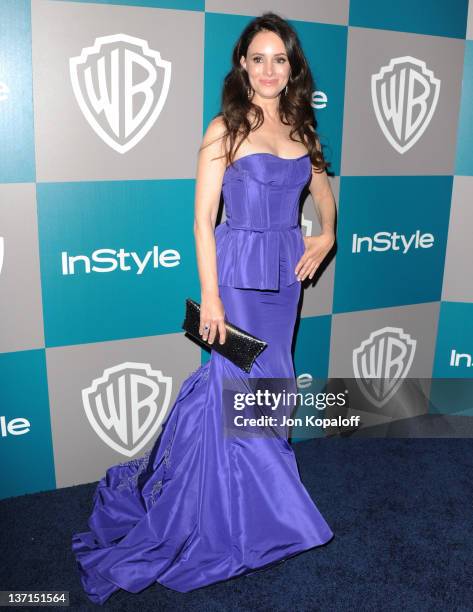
(279, 403)
(264, 407)
(307, 407)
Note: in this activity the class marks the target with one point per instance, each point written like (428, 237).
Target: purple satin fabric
(261, 194)
(200, 506)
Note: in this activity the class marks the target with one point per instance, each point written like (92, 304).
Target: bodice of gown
(261, 195)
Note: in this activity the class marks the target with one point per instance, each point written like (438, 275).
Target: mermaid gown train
(200, 506)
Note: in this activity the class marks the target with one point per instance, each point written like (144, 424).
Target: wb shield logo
(405, 96)
(121, 86)
(381, 363)
(127, 404)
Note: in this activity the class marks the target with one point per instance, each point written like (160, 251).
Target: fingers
(311, 275)
(210, 333)
(300, 264)
(213, 331)
(302, 269)
(204, 330)
(308, 270)
(222, 332)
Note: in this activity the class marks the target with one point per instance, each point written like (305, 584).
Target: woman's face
(267, 64)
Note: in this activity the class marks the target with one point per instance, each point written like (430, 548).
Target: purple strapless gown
(200, 506)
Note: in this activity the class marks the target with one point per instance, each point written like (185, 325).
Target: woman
(203, 506)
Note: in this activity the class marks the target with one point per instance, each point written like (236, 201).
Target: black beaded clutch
(239, 347)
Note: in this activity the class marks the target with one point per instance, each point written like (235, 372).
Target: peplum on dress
(201, 506)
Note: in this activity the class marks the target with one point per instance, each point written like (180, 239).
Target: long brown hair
(294, 106)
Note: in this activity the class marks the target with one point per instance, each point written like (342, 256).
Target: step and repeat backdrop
(102, 110)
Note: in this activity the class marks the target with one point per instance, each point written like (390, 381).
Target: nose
(268, 68)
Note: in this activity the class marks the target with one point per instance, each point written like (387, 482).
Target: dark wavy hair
(294, 106)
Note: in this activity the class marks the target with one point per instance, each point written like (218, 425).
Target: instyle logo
(392, 241)
(125, 261)
(127, 404)
(120, 105)
(319, 100)
(404, 95)
(14, 427)
(459, 360)
(381, 362)
(304, 380)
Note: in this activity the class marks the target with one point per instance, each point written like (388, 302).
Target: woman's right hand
(212, 313)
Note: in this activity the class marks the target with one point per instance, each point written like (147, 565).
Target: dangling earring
(285, 91)
(249, 91)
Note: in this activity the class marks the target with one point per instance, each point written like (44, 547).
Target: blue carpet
(401, 511)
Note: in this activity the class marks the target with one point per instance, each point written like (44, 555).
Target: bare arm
(207, 196)
(324, 201)
(317, 247)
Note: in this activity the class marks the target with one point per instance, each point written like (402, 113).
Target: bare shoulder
(215, 129)
(211, 161)
(213, 140)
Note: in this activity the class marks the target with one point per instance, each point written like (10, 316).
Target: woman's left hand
(316, 249)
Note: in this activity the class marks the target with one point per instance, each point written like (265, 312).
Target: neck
(270, 106)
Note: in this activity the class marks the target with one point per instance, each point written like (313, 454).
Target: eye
(280, 60)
